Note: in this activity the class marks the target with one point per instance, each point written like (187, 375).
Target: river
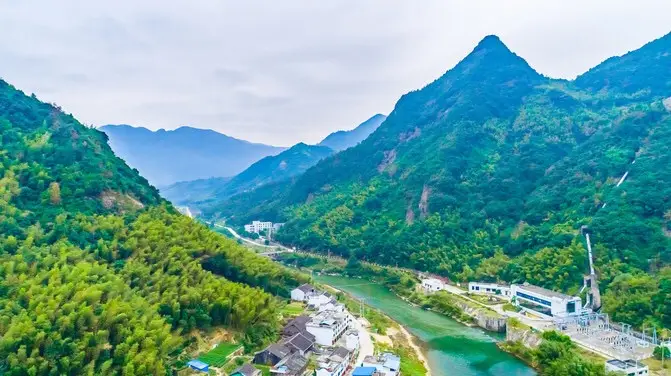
(451, 348)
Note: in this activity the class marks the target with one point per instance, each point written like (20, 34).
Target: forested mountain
(166, 157)
(187, 192)
(342, 140)
(98, 275)
(289, 163)
(491, 171)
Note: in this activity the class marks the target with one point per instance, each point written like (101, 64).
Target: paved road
(365, 342)
(244, 239)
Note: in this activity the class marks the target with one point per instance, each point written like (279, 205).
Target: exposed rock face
(409, 215)
(484, 319)
(424, 202)
(389, 158)
(526, 336)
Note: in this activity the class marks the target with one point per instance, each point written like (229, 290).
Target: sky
(281, 72)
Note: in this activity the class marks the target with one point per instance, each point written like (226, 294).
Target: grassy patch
(510, 307)
(292, 309)
(218, 356)
(411, 365)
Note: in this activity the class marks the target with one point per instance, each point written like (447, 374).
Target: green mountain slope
(490, 172)
(289, 163)
(188, 192)
(642, 73)
(97, 274)
(342, 140)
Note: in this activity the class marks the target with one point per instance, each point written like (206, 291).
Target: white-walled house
(486, 288)
(333, 363)
(317, 300)
(328, 327)
(303, 293)
(352, 341)
(386, 364)
(432, 284)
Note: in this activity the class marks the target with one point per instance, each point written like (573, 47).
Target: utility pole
(362, 308)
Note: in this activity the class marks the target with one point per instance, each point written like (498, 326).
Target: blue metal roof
(363, 371)
(197, 364)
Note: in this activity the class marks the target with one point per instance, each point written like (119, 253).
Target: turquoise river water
(451, 348)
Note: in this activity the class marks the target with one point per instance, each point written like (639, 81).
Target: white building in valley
(432, 285)
(627, 367)
(485, 288)
(258, 226)
(328, 327)
(546, 302)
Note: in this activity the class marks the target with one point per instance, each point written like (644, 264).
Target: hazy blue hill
(165, 157)
(185, 192)
(289, 163)
(342, 140)
(490, 172)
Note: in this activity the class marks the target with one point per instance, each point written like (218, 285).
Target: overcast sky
(280, 72)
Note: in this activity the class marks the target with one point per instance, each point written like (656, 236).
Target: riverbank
(389, 340)
(447, 347)
(418, 350)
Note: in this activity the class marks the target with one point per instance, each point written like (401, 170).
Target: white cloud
(287, 71)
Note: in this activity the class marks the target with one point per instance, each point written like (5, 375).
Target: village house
(352, 340)
(272, 354)
(333, 363)
(303, 292)
(328, 327)
(293, 365)
(387, 364)
(317, 300)
(246, 370)
(295, 326)
(301, 343)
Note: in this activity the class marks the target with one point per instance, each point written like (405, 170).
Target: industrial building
(486, 288)
(432, 285)
(546, 302)
(627, 367)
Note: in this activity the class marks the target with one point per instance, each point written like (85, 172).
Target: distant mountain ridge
(291, 162)
(271, 169)
(342, 140)
(168, 156)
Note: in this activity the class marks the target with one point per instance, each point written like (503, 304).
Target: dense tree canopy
(99, 276)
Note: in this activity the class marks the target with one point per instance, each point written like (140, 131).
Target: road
(365, 342)
(282, 248)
